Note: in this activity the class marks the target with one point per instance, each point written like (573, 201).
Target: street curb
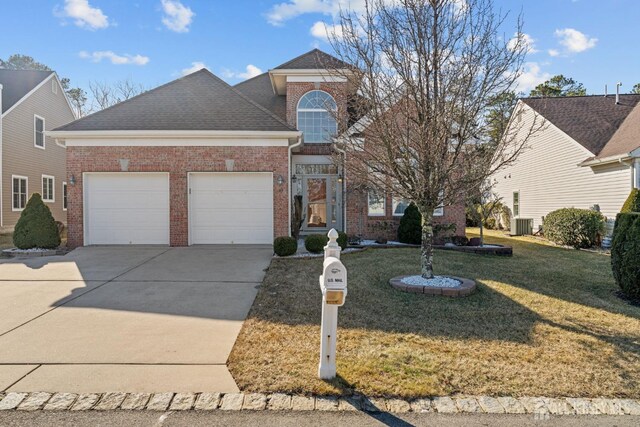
(539, 406)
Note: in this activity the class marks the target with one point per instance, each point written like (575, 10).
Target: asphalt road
(295, 419)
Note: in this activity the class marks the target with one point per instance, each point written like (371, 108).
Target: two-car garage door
(133, 208)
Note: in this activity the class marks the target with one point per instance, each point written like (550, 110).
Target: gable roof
(313, 60)
(18, 83)
(260, 90)
(627, 137)
(591, 121)
(198, 101)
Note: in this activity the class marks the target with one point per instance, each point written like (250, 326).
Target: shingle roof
(627, 138)
(589, 120)
(17, 83)
(260, 90)
(314, 59)
(198, 101)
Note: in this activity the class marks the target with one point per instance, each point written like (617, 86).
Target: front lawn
(545, 322)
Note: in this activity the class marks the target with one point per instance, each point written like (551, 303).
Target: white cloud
(526, 40)
(553, 52)
(84, 15)
(195, 66)
(116, 59)
(325, 32)
(292, 8)
(250, 72)
(531, 77)
(574, 41)
(177, 17)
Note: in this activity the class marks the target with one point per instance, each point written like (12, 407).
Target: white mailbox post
(333, 283)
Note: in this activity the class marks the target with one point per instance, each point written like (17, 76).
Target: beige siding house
(32, 103)
(570, 162)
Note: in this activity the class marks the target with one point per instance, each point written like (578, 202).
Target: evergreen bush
(579, 228)
(410, 228)
(36, 227)
(625, 253)
(315, 243)
(632, 204)
(285, 246)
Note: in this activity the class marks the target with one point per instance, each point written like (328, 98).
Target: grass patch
(543, 322)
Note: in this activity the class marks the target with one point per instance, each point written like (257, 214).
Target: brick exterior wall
(178, 161)
(375, 227)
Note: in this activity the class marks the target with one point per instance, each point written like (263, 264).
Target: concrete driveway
(138, 319)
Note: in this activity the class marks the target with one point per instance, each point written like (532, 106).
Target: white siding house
(550, 174)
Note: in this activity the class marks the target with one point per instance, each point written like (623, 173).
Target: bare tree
(104, 95)
(425, 72)
(482, 205)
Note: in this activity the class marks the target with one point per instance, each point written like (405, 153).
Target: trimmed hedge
(285, 246)
(343, 240)
(315, 243)
(632, 204)
(410, 228)
(579, 228)
(36, 227)
(625, 253)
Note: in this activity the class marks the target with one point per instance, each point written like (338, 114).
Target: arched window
(316, 119)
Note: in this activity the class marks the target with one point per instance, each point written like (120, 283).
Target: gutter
(239, 134)
(291, 147)
(343, 185)
(620, 158)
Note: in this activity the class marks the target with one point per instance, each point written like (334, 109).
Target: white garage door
(233, 207)
(126, 208)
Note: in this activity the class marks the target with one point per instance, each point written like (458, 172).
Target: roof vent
(605, 91)
(618, 92)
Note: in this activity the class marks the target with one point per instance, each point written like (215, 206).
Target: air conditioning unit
(521, 226)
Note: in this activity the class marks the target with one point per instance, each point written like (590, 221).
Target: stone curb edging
(539, 406)
(466, 287)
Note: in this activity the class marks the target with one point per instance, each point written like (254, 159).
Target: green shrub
(579, 228)
(625, 253)
(632, 204)
(343, 240)
(410, 228)
(490, 223)
(36, 227)
(285, 246)
(315, 243)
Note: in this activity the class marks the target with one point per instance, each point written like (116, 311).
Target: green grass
(545, 322)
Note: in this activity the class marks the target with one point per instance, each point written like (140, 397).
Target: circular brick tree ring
(464, 288)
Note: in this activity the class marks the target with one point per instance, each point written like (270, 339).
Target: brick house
(197, 161)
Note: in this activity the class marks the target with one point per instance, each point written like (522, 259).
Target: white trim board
(175, 142)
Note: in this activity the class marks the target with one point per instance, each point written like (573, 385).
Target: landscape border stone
(466, 287)
(11, 401)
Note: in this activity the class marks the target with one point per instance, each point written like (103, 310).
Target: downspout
(291, 147)
(1, 172)
(637, 172)
(343, 186)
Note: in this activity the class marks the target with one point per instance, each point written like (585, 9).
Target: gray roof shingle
(314, 59)
(198, 101)
(260, 90)
(589, 120)
(17, 83)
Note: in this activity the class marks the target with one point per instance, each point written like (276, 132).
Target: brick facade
(359, 223)
(178, 161)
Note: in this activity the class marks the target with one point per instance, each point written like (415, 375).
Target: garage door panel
(231, 208)
(127, 208)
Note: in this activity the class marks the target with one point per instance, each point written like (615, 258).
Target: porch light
(72, 180)
(340, 178)
(280, 180)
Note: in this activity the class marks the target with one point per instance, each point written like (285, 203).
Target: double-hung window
(376, 203)
(64, 196)
(38, 131)
(18, 192)
(516, 203)
(48, 186)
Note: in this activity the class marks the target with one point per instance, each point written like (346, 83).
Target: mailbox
(333, 281)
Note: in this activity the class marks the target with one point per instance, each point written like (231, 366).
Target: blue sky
(154, 41)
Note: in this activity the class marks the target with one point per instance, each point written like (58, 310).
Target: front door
(321, 206)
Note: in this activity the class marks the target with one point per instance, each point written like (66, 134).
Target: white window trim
(314, 110)
(393, 209)
(384, 205)
(35, 132)
(439, 211)
(65, 187)
(26, 198)
(53, 188)
(513, 204)
(54, 86)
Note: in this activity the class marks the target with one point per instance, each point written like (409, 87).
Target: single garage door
(126, 208)
(234, 207)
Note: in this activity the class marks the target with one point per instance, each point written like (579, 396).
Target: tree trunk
(481, 233)
(426, 256)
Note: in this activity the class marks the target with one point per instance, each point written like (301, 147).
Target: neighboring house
(31, 162)
(197, 161)
(587, 154)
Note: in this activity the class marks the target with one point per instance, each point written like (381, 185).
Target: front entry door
(320, 201)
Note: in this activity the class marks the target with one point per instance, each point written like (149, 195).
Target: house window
(316, 119)
(19, 192)
(54, 86)
(399, 205)
(64, 196)
(38, 131)
(516, 203)
(48, 183)
(376, 203)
